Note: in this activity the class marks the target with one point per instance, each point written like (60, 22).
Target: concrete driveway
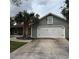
(43, 49)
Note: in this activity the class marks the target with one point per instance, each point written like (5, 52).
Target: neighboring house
(50, 26)
(16, 30)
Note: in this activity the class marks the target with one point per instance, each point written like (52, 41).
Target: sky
(41, 7)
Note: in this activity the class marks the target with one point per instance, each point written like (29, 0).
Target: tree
(37, 18)
(27, 19)
(12, 21)
(23, 17)
(16, 2)
(65, 10)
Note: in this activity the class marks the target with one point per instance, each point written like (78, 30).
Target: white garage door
(55, 32)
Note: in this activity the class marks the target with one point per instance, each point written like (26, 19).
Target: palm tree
(23, 17)
(27, 19)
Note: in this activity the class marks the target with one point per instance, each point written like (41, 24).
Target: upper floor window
(50, 20)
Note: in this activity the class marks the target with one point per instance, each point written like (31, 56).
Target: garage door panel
(55, 32)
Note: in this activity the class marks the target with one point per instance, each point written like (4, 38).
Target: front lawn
(15, 45)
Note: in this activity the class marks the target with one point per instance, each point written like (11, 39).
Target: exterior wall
(56, 22)
(34, 31)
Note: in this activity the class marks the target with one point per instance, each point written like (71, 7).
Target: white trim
(50, 18)
(31, 31)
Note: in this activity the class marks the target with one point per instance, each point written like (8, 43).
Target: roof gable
(50, 14)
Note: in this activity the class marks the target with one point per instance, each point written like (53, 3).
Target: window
(50, 20)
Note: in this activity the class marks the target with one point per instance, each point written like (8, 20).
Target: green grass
(15, 45)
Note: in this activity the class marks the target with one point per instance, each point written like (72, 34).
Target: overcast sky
(42, 7)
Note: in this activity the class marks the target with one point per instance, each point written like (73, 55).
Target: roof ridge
(53, 15)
